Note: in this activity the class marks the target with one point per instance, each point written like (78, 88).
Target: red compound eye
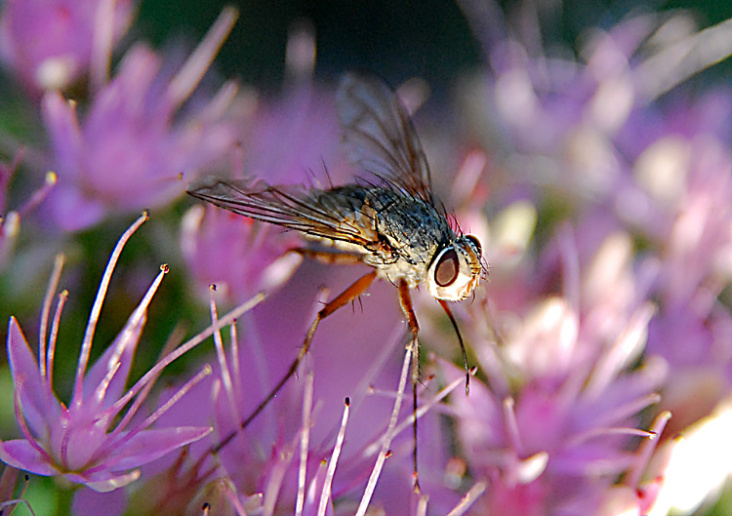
(447, 268)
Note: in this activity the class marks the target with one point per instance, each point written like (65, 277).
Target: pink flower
(51, 43)
(136, 143)
(84, 441)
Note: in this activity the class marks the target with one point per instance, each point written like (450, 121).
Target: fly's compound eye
(455, 271)
(448, 268)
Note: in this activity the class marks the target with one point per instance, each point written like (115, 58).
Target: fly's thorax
(455, 269)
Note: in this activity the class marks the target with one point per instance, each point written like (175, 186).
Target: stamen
(132, 327)
(625, 348)
(188, 77)
(236, 369)
(385, 354)
(470, 497)
(272, 489)
(115, 442)
(18, 501)
(221, 355)
(233, 499)
(581, 438)
(307, 407)
(37, 198)
(623, 411)
(130, 332)
(52, 338)
(646, 449)
(388, 436)
(219, 105)
(187, 346)
(58, 266)
(421, 411)
(421, 509)
(8, 481)
(101, 389)
(204, 372)
(330, 473)
(97, 307)
(512, 427)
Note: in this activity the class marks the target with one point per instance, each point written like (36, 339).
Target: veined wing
(289, 206)
(379, 136)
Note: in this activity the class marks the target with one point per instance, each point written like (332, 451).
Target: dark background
(396, 39)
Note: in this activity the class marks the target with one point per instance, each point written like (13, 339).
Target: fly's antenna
(447, 310)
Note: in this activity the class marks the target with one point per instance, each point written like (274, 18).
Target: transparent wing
(379, 136)
(289, 206)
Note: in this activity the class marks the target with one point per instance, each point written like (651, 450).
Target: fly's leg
(328, 258)
(405, 300)
(345, 297)
(447, 310)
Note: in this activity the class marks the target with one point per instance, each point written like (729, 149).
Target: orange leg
(405, 300)
(327, 257)
(345, 297)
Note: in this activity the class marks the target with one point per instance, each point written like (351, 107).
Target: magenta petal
(38, 403)
(152, 444)
(20, 454)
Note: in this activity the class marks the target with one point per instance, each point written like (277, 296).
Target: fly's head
(455, 269)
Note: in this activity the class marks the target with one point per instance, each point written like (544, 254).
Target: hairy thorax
(402, 234)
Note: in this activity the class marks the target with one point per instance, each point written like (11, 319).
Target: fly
(389, 221)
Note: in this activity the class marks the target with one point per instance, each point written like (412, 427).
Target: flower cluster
(599, 350)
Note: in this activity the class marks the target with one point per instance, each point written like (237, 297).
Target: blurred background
(398, 40)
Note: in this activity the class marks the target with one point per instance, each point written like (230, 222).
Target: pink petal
(104, 481)
(65, 135)
(20, 454)
(152, 444)
(78, 439)
(71, 210)
(38, 403)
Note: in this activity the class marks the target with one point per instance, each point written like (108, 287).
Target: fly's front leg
(405, 300)
(345, 297)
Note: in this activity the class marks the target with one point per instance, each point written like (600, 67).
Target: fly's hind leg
(345, 297)
(405, 301)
